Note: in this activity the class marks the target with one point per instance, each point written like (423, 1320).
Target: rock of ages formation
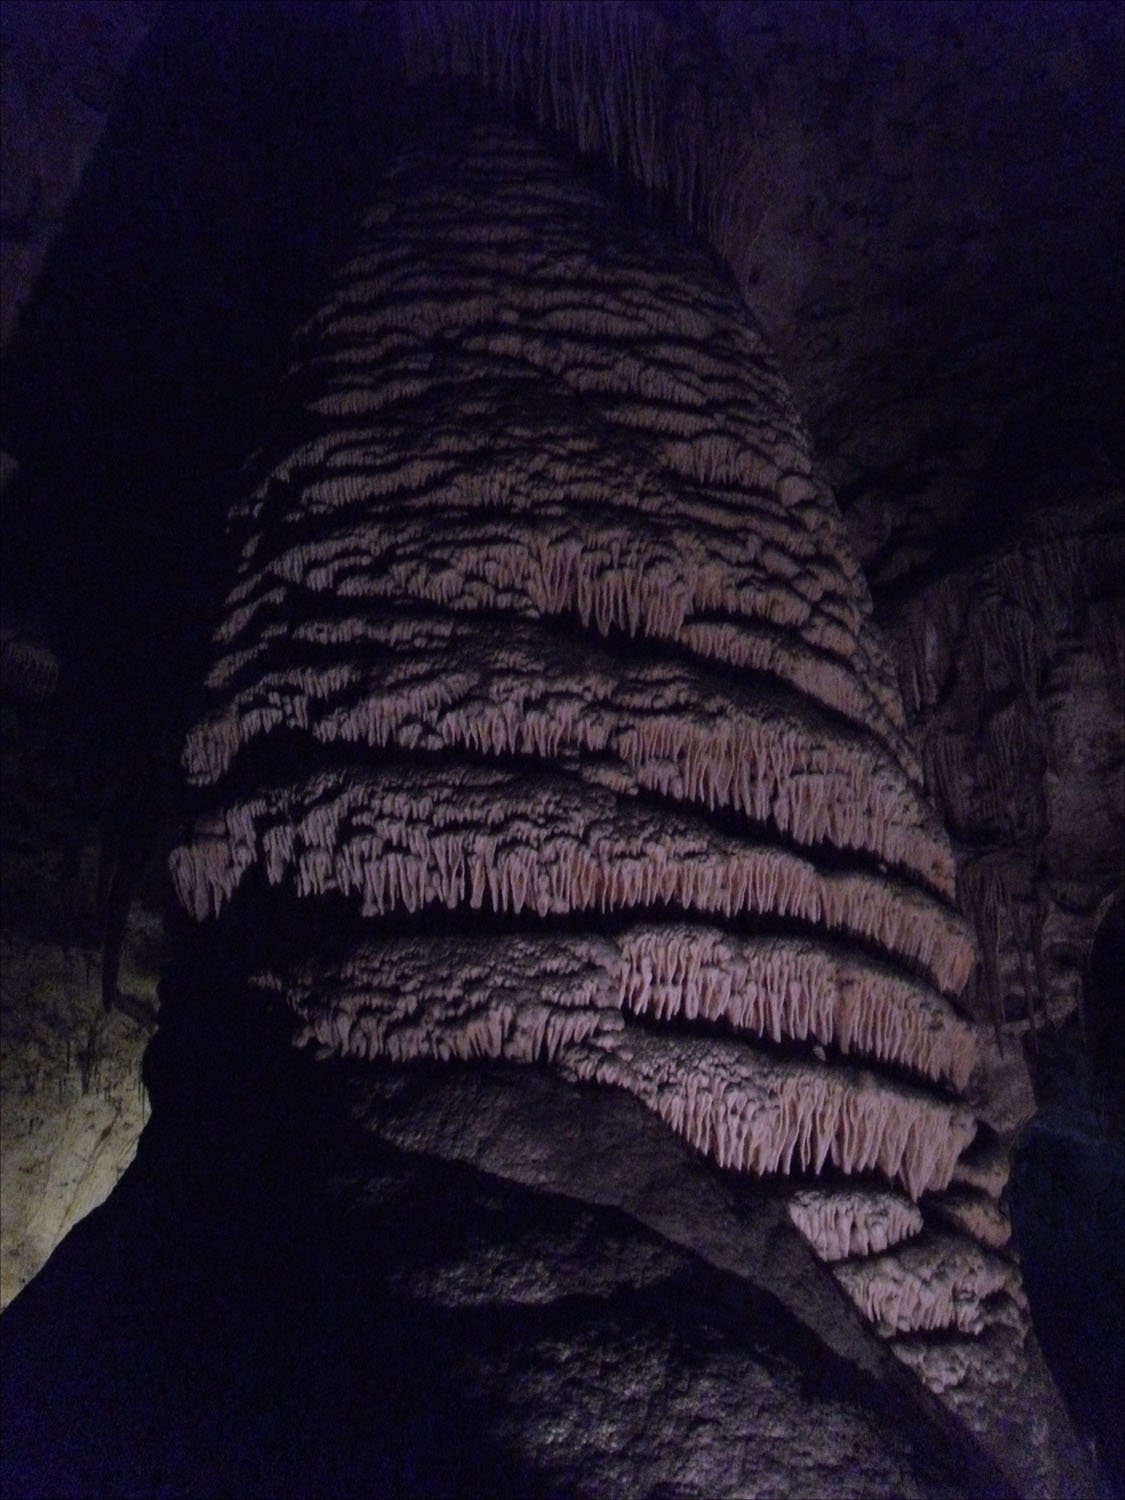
(547, 618)
(548, 732)
(548, 680)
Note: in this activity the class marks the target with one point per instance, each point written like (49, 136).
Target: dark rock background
(938, 263)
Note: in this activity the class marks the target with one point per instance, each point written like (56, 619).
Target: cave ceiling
(936, 256)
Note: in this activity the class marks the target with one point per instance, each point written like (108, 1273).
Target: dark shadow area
(1068, 1207)
(258, 1310)
(225, 187)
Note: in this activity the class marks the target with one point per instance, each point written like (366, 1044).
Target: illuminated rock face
(548, 660)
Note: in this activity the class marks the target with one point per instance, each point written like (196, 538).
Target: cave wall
(72, 1103)
(62, 70)
(1009, 657)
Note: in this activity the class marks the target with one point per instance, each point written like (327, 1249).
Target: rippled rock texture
(549, 679)
(547, 619)
(554, 791)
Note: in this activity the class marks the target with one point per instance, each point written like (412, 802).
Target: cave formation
(563, 747)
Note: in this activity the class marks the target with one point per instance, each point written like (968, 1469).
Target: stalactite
(548, 844)
(942, 1281)
(757, 1115)
(531, 1000)
(983, 891)
(986, 655)
(1013, 746)
(847, 1222)
(517, 693)
(598, 75)
(1009, 646)
(785, 988)
(944, 762)
(773, 989)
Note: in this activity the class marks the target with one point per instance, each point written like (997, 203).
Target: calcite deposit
(553, 791)
(545, 621)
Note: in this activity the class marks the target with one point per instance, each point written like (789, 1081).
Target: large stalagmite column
(549, 679)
